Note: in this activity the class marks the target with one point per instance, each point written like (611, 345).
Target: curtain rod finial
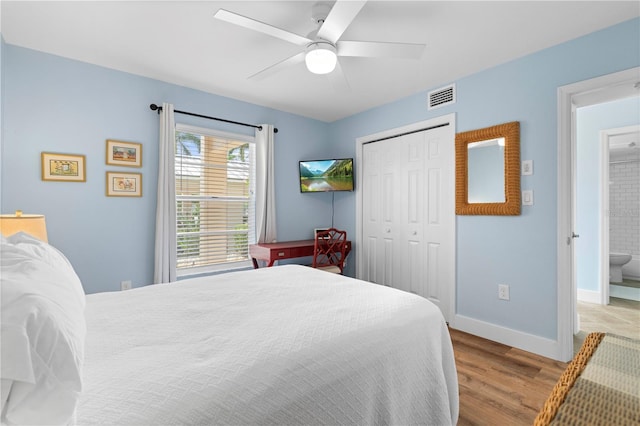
(275, 129)
(155, 107)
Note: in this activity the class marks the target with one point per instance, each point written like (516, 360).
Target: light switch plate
(527, 167)
(527, 197)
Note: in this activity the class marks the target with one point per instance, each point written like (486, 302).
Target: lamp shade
(32, 224)
(321, 57)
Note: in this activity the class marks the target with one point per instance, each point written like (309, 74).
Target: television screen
(326, 175)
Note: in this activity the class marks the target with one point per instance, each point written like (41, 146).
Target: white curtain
(165, 252)
(265, 185)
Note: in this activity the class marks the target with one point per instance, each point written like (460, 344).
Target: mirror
(485, 171)
(488, 171)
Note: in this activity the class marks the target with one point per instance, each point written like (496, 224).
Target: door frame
(360, 142)
(604, 217)
(588, 92)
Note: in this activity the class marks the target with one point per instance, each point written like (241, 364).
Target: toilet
(616, 260)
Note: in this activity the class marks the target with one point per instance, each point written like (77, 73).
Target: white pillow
(42, 332)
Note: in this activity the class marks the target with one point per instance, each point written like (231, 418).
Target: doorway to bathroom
(607, 192)
(620, 179)
(572, 236)
(607, 217)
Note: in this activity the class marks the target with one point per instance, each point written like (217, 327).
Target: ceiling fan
(323, 46)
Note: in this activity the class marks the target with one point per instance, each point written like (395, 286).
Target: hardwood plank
(499, 384)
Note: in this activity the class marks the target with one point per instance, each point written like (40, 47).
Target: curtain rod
(155, 107)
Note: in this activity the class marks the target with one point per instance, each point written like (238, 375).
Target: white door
(408, 214)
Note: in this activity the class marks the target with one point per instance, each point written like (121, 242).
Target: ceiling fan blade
(375, 49)
(339, 18)
(276, 68)
(252, 24)
(338, 79)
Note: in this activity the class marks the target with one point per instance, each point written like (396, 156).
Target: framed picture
(63, 167)
(124, 153)
(124, 184)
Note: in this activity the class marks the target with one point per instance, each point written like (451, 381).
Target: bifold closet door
(408, 213)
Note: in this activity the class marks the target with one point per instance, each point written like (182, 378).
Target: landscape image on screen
(326, 175)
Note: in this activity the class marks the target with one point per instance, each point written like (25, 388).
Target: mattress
(281, 345)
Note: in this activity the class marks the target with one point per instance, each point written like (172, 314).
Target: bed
(281, 345)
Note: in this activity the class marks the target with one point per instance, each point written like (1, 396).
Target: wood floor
(501, 385)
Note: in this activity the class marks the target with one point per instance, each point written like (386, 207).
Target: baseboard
(527, 342)
(623, 292)
(589, 296)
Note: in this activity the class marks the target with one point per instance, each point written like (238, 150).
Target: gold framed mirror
(488, 171)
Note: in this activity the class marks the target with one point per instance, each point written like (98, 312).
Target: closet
(407, 212)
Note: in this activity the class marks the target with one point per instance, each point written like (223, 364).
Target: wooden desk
(270, 252)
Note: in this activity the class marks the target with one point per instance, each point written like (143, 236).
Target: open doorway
(599, 90)
(607, 189)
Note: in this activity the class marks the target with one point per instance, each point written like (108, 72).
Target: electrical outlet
(503, 292)
(125, 285)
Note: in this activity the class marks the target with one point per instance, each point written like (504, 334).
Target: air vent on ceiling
(443, 96)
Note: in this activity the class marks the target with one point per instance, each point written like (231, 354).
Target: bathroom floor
(629, 283)
(621, 317)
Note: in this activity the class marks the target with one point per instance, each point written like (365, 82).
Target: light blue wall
(589, 122)
(1, 114)
(516, 250)
(53, 104)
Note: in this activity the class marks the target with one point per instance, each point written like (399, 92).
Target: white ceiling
(180, 42)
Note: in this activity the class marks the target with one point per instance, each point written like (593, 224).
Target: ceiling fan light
(321, 58)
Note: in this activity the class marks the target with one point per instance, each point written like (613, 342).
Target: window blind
(215, 207)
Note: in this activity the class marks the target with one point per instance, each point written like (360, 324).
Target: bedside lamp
(32, 224)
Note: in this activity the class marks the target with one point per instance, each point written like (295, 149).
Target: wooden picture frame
(63, 167)
(128, 154)
(124, 184)
(511, 170)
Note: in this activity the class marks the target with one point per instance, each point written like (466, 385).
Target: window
(215, 205)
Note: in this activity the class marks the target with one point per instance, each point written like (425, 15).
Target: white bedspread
(281, 345)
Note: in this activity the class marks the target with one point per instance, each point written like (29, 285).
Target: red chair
(329, 251)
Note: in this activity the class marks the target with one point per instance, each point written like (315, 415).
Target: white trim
(622, 292)
(589, 296)
(188, 272)
(582, 93)
(507, 336)
(566, 295)
(360, 142)
(604, 219)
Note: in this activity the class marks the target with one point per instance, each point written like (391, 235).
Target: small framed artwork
(124, 184)
(63, 167)
(124, 153)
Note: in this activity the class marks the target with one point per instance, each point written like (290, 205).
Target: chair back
(330, 250)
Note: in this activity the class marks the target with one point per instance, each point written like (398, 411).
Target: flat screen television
(326, 175)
